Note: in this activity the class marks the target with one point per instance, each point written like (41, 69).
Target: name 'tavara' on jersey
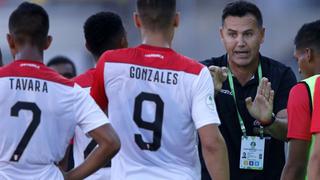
(25, 84)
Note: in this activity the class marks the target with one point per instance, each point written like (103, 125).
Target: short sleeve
(98, 90)
(204, 110)
(87, 113)
(299, 114)
(315, 122)
(288, 80)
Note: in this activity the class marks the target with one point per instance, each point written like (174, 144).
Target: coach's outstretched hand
(262, 106)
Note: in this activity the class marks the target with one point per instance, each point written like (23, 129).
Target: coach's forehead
(240, 23)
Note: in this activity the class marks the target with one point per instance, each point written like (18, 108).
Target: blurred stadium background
(197, 36)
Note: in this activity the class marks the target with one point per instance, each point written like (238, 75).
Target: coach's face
(242, 37)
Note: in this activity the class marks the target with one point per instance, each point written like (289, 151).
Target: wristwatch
(273, 119)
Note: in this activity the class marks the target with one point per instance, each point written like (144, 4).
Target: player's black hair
(156, 14)
(103, 31)
(240, 9)
(29, 23)
(308, 36)
(63, 60)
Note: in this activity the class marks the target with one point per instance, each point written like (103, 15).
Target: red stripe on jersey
(154, 57)
(86, 79)
(33, 69)
(97, 90)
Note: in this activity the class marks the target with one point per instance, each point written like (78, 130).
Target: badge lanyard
(230, 79)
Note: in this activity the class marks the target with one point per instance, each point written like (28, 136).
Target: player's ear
(12, 44)
(137, 20)
(88, 47)
(308, 55)
(176, 20)
(48, 42)
(124, 42)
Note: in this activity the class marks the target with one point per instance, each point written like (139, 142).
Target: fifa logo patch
(210, 102)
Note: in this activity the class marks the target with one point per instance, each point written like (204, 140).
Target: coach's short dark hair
(29, 23)
(103, 31)
(240, 9)
(308, 36)
(156, 14)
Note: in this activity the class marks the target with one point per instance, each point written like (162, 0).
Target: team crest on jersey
(210, 102)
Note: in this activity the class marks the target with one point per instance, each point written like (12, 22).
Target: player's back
(37, 120)
(150, 93)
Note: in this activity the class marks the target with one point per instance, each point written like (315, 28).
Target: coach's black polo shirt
(282, 79)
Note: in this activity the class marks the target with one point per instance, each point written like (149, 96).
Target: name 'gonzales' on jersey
(25, 84)
(152, 75)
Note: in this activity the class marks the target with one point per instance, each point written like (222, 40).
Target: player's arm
(299, 122)
(108, 145)
(278, 129)
(63, 164)
(214, 152)
(93, 122)
(296, 165)
(206, 119)
(314, 162)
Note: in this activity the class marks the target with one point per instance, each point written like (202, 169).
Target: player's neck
(243, 73)
(156, 39)
(29, 53)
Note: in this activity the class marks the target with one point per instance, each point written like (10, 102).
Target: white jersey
(82, 144)
(39, 112)
(156, 99)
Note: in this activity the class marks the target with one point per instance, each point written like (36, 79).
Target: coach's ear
(221, 33)
(137, 20)
(48, 42)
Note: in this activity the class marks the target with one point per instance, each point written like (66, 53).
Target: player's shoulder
(33, 69)
(299, 89)
(150, 55)
(85, 79)
(188, 64)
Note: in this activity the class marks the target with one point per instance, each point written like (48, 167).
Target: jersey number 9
(155, 126)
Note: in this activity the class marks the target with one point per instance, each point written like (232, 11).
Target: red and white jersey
(156, 99)
(299, 114)
(39, 111)
(85, 80)
(315, 122)
(82, 144)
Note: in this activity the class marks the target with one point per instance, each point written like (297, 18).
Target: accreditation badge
(252, 152)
